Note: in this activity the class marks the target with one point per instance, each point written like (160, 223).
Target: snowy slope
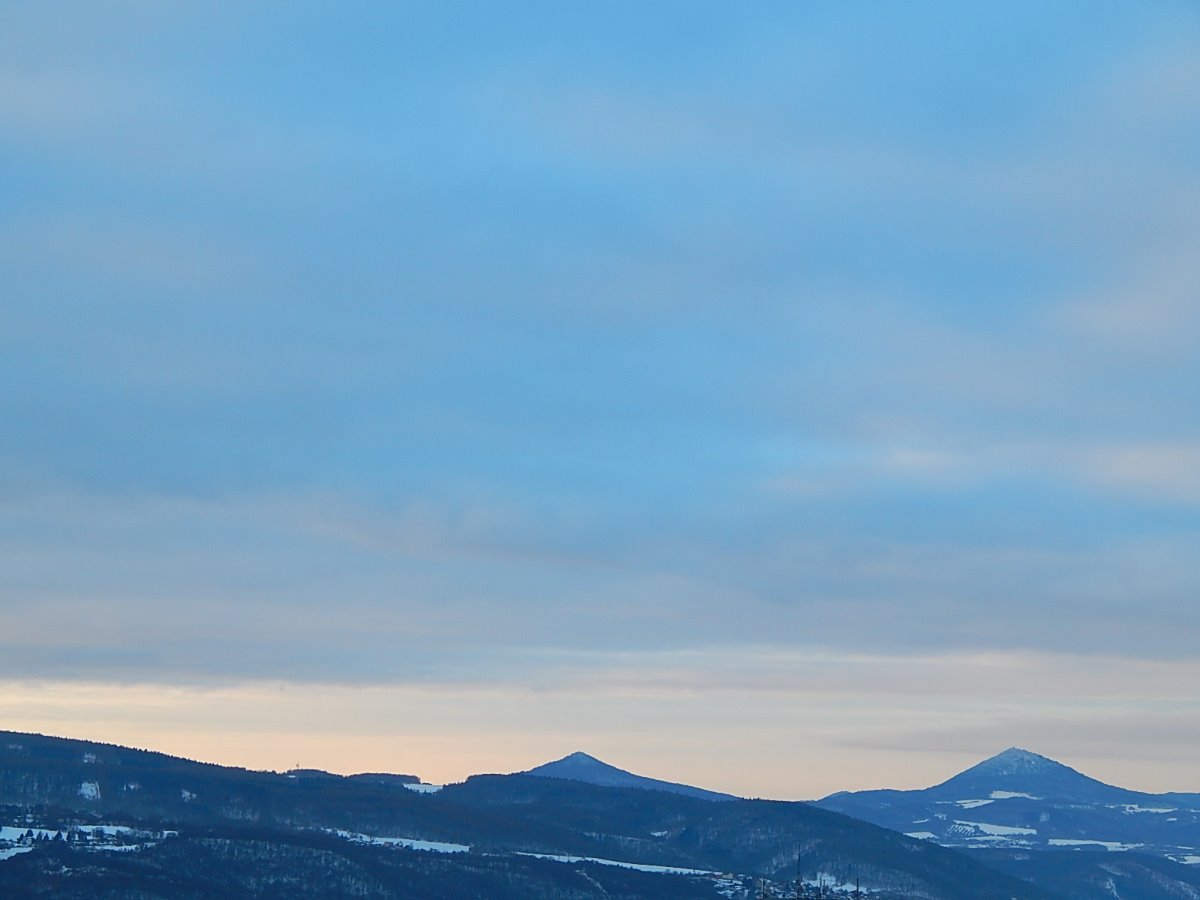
(1022, 800)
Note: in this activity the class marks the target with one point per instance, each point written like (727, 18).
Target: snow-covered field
(828, 883)
(115, 838)
(1012, 795)
(996, 830)
(421, 788)
(640, 867)
(1116, 846)
(407, 843)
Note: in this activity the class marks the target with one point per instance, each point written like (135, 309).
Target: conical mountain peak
(585, 768)
(1020, 770)
(580, 757)
(575, 766)
(1016, 760)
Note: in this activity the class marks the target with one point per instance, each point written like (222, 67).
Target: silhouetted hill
(757, 836)
(588, 769)
(1098, 874)
(1025, 801)
(165, 827)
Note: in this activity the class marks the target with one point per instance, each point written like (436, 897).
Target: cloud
(1145, 472)
(1165, 471)
(824, 723)
(325, 588)
(1154, 308)
(418, 357)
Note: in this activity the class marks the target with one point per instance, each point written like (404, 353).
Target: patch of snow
(972, 804)
(12, 833)
(99, 836)
(13, 851)
(830, 883)
(1015, 761)
(921, 835)
(1012, 795)
(640, 867)
(422, 788)
(1131, 808)
(101, 831)
(660, 833)
(408, 843)
(998, 830)
(998, 838)
(89, 758)
(186, 795)
(1114, 846)
(89, 790)
(133, 786)
(1187, 860)
(919, 821)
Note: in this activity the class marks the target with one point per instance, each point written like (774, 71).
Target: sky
(781, 398)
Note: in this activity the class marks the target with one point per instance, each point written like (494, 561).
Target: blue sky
(504, 362)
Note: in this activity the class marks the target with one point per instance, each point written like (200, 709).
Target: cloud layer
(427, 349)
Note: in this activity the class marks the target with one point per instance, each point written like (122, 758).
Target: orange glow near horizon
(783, 745)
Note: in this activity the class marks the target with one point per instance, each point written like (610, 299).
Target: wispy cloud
(416, 350)
(833, 722)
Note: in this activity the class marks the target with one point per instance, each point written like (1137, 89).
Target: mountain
(763, 837)
(239, 864)
(1021, 801)
(1017, 771)
(81, 819)
(1080, 875)
(589, 770)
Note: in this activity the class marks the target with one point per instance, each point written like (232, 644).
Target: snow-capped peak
(1016, 761)
(1016, 770)
(580, 757)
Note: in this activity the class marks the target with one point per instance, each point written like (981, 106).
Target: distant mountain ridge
(581, 767)
(84, 820)
(1021, 771)
(90, 820)
(1020, 800)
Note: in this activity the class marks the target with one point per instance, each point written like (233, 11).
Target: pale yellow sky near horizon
(857, 730)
